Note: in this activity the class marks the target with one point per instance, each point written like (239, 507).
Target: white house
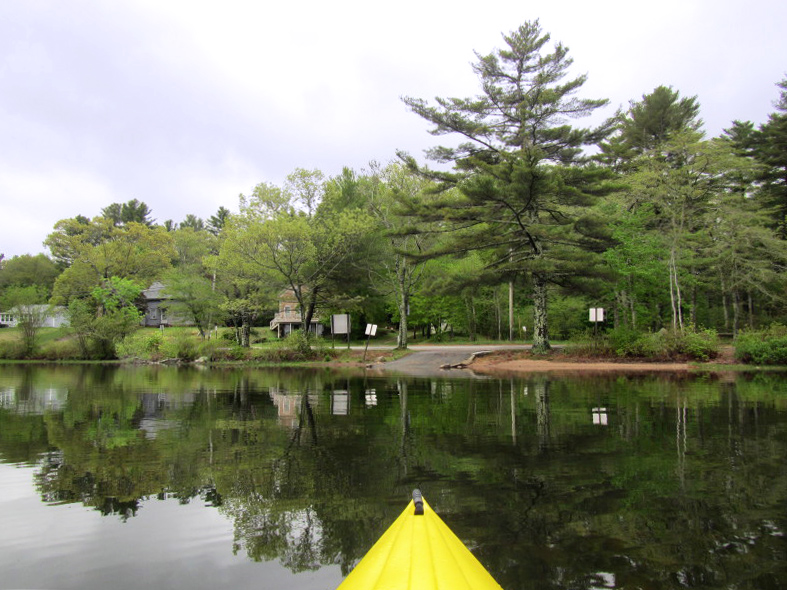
(53, 316)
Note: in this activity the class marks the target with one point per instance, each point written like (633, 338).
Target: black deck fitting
(418, 500)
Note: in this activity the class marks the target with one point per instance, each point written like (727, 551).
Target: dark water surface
(172, 478)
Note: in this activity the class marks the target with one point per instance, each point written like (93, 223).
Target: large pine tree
(771, 151)
(524, 178)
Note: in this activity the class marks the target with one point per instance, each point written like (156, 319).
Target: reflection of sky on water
(167, 545)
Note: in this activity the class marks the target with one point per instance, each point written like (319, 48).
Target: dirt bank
(518, 362)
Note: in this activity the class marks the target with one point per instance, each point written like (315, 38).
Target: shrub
(12, 350)
(143, 344)
(664, 344)
(60, 351)
(763, 347)
(627, 342)
(700, 345)
(215, 350)
(181, 346)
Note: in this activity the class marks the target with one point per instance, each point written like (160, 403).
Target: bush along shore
(767, 347)
(180, 346)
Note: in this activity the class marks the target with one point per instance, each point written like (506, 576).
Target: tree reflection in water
(552, 482)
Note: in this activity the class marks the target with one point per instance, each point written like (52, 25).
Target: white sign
(371, 329)
(340, 323)
(596, 314)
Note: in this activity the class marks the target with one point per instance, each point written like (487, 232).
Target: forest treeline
(523, 219)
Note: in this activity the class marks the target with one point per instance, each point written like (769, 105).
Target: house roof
(155, 291)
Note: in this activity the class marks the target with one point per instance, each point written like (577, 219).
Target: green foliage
(141, 345)
(702, 345)
(26, 303)
(193, 297)
(763, 347)
(182, 346)
(12, 350)
(27, 270)
(216, 350)
(567, 316)
(103, 321)
(133, 211)
(663, 345)
(97, 250)
(524, 203)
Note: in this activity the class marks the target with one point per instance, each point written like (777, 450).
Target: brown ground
(516, 362)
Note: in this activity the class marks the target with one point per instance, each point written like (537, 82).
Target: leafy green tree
(279, 245)
(96, 251)
(658, 147)
(637, 263)
(27, 304)
(190, 284)
(394, 272)
(745, 251)
(193, 296)
(681, 195)
(525, 181)
(305, 189)
(243, 296)
(28, 270)
(108, 316)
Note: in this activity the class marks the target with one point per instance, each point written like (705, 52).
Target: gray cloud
(186, 105)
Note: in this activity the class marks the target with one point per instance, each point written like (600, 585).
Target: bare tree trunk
(498, 314)
(751, 310)
(693, 307)
(675, 294)
(540, 327)
(511, 310)
(725, 309)
(736, 304)
(404, 303)
(471, 319)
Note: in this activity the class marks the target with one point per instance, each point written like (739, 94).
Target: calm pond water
(134, 478)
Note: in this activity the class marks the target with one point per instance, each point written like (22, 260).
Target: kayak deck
(419, 552)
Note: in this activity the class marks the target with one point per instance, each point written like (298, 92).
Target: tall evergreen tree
(133, 211)
(657, 147)
(771, 150)
(193, 222)
(216, 222)
(658, 117)
(524, 178)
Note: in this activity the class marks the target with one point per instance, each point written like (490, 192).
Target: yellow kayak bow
(419, 552)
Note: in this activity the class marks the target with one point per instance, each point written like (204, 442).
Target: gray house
(156, 312)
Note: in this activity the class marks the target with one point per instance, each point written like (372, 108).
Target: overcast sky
(186, 104)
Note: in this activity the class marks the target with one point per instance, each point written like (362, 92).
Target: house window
(287, 309)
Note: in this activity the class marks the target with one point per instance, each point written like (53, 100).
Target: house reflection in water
(371, 397)
(599, 416)
(340, 402)
(288, 404)
(29, 400)
(155, 407)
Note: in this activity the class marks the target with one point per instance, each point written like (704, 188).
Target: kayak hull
(419, 552)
